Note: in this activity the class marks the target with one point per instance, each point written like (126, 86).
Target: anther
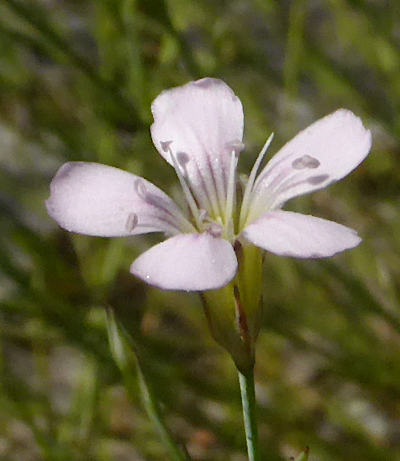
(186, 190)
(214, 229)
(165, 145)
(315, 180)
(140, 188)
(203, 214)
(306, 161)
(131, 222)
(182, 158)
(235, 146)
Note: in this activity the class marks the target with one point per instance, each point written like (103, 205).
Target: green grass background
(76, 81)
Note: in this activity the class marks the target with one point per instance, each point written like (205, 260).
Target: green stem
(249, 413)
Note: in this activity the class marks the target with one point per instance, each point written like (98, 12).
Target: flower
(198, 129)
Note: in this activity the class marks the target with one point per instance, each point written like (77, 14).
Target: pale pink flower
(198, 129)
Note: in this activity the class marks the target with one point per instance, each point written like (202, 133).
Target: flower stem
(247, 391)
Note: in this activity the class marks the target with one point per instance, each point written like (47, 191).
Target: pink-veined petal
(301, 236)
(325, 152)
(190, 262)
(99, 200)
(201, 123)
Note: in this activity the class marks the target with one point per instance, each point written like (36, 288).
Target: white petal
(95, 199)
(324, 152)
(191, 262)
(201, 123)
(293, 234)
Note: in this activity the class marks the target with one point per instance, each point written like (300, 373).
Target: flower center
(217, 220)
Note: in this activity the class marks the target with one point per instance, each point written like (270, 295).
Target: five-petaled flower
(198, 129)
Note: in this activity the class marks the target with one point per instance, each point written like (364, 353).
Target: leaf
(126, 357)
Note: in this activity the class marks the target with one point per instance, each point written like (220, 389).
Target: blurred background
(77, 78)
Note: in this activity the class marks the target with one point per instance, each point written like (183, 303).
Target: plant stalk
(247, 391)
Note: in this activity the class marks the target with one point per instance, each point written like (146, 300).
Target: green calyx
(234, 311)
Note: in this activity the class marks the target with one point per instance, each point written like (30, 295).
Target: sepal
(234, 311)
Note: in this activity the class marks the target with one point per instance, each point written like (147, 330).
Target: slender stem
(249, 413)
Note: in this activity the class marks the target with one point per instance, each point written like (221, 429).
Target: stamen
(165, 145)
(277, 189)
(236, 146)
(249, 186)
(211, 193)
(182, 158)
(230, 195)
(274, 184)
(266, 198)
(169, 226)
(204, 193)
(219, 181)
(140, 188)
(203, 214)
(286, 186)
(269, 169)
(131, 222)
(215, 229)
(213, 184)
(315, 180)
(305, 161)
(162, 205)
(188, 195)
(285, 176)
